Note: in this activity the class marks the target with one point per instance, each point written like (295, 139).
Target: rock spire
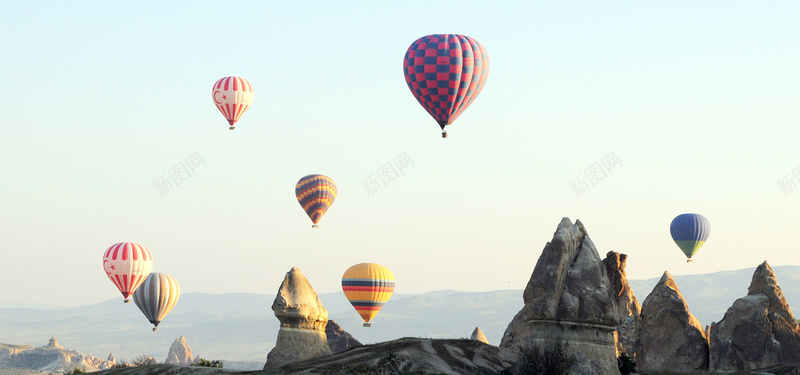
(569, 298)
(758, 330)
(303, 320)
(670, 337)
(628, 308)
(477, 334)
(179, 353)
(53, 344)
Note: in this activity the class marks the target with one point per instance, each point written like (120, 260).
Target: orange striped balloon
(127, 264)
(233, 96)
(368, 286)
(316, 194)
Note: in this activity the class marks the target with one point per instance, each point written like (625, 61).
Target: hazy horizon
(651, 282)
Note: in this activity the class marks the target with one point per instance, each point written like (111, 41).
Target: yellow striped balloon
(368, 286)
(157, 296)
(316, 194)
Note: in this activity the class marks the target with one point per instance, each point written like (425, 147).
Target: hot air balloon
(445, 72)
(157, 296)
(368, 286)
(690, 232)
(316, 194)
(127, 264)
(233, 96)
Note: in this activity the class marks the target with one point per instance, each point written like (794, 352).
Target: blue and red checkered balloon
(446, 72)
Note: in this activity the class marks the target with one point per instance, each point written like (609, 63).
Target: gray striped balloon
(157, 296)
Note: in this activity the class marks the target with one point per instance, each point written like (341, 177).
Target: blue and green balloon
(690, 232)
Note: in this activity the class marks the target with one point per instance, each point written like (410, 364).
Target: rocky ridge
(49, 358)
(410, 356)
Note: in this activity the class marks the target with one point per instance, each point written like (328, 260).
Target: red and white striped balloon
(127, 264)
(233, 96)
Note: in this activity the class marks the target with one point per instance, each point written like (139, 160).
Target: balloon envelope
(368, 286)
(690, 232)
(127, 264)
(316, 194)
(157, 296)
(233, 96)
(445, 73)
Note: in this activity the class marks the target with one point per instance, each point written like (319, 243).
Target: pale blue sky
(698, 100)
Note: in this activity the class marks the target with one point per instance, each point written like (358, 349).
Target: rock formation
(7, 350)
(179, 353)
(628, 308)
(111, 358)
(53, 344)
(477, 334)
(758, 330)
(670, 337)
(338, 339)
(569, 297)
(303, 320)
(51, 358)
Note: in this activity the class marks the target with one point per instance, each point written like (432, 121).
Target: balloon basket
(127, 301)
(444, 134)
(232, 127)
(688, 261)
(315, 226)
(367, 325)
(155, 329)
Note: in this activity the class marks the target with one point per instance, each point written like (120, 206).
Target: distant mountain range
(242, 327)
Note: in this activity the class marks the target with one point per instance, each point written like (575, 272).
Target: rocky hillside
(407, 355)
(48, 358)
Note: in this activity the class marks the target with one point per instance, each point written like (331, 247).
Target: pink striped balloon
(233, 96)
(127, 264)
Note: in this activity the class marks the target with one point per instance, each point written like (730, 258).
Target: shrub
(143, 360)
(626, 364)
(551, 358)
(206, 363)
(75, 370)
